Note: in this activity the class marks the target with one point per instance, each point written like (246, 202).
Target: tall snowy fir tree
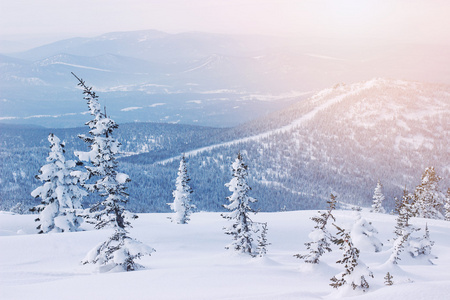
(182, 195)
(403, 229)
(356, 272)
(60, 194)
(428, 200)
(320, 237)
(119, 251)
(378, 198)
(242, 228)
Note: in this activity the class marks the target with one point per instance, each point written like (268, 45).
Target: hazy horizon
(29, 24)
(324, 43)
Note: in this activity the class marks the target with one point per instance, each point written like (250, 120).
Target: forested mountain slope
(24, 148)
(341, 140)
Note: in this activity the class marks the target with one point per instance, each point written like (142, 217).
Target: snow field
(190, 262)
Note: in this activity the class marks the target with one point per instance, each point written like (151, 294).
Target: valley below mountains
(341, 140)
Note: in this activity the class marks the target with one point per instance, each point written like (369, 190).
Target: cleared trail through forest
(298, 122)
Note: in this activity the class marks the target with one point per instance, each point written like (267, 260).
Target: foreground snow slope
(191, 262)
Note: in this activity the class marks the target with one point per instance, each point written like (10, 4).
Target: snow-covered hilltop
(191, 262)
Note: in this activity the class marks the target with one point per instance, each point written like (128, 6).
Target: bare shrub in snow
(388, 279)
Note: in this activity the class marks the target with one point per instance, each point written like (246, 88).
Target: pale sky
(401, 20)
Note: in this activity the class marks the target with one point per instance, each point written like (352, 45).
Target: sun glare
(338, 19)
(354, 18)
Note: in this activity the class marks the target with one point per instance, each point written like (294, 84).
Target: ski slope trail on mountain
(355, 89)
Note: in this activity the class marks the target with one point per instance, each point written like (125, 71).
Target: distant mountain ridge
(151, 45)
(202, 78)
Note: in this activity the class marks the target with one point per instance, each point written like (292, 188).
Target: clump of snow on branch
(363, 235)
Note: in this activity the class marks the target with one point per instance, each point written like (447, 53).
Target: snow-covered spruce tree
(242, 228)
(364, 235)
(356, 271)
(428, 200)
(119, 251)
(447, 205)
(262, 243)
(398, 204)
(378, 199)
(421, 246)
(60, 194)
(403, 229)
(182, 200)
(426, 243)
(320, 237)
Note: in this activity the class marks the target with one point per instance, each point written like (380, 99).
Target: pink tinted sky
(401, 20)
